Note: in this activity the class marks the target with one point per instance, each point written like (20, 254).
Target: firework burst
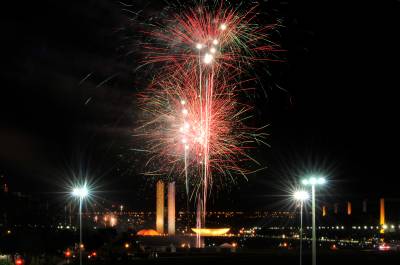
(195, 125)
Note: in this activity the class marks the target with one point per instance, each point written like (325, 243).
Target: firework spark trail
(195, 123)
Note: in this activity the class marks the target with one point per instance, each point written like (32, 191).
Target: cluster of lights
(92, 255)
(110, 219)
(209, 56)
(323, 227)
(186, 126)
(314, 181)
(384, 227)
(190, 133)
(65, 227)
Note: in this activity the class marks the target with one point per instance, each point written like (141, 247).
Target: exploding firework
(186, 131)
(224, 37)
(195, 124)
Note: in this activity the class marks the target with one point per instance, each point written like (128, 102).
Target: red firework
(194, 123)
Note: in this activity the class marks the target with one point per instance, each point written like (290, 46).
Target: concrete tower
(348, 208)
(364, 206)
(160, 207)
(382, 214)
(336, 208)
(171, 208)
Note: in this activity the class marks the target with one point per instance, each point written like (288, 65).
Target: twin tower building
(160, 207)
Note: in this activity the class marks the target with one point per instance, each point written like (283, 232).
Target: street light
(301, 196)
(81, 193)
(314, 181)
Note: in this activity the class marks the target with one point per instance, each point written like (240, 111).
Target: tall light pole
(301, 196)
(81, 193)
(313, 181)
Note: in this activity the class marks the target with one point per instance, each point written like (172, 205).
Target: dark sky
(68, 91)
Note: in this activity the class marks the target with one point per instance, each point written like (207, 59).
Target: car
(389, 246)
(18, 260)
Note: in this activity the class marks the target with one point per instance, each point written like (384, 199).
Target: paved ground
(342, 257)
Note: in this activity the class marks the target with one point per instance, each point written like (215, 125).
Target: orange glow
(68, 253)
(148, 232)
(127, 245)
(94, 254)
(19, 262)
(171, 208)
(160, 206)
(211, 231)
(382, 215)
(323, 210)
(113, 221)
(348, 208)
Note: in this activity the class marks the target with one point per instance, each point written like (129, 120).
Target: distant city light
(211, 231)
(113, 221)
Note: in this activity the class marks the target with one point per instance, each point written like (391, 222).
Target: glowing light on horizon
(211, 231)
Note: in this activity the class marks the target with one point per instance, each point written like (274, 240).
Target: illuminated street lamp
(301, 196)
(313, 181)
(81, 193)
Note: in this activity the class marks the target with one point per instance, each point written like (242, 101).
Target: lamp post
(81, 193)
(313, 182)
(301, 196)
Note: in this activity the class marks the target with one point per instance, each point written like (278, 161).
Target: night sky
(67, 100)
